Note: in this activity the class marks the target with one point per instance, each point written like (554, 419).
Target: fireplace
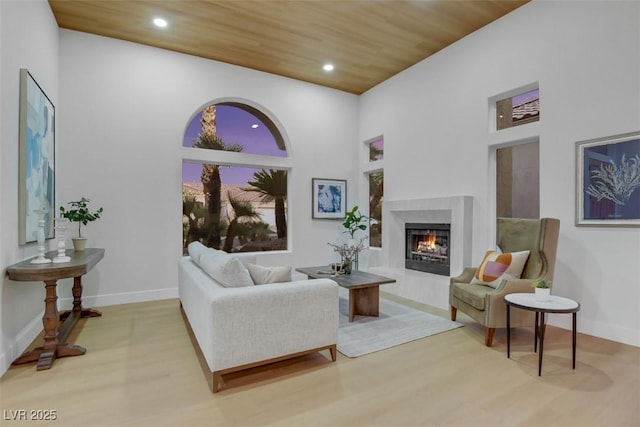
(428, 247)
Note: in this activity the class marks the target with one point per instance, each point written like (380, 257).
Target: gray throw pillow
(264, 275)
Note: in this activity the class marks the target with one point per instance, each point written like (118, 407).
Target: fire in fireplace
(428, 247)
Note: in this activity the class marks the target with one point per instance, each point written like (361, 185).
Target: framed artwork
(608, 181)
(329, 198)
(37, 162)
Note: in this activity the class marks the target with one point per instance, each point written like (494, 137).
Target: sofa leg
(217, 379)
(333, 349)
(454, 312)
(488, 340)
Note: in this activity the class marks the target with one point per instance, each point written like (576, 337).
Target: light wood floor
(141, 370)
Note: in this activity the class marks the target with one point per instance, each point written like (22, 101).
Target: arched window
(234, 198)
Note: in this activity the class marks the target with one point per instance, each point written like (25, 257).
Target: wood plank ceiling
(368, 41)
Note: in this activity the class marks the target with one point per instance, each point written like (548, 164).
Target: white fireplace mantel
(431, 289)
(456, 210)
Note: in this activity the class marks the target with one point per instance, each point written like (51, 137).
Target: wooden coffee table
(364, 288)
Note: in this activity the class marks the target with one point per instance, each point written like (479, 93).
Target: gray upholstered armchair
(485, 304)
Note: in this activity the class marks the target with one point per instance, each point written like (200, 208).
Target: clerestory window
(518, 110)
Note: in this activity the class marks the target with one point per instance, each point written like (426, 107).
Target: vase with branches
(349, 253)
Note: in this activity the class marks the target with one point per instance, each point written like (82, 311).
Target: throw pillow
(196, 249)
(263, 275)
(225, 269)
(497, 266)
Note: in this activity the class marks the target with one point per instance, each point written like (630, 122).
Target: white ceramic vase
(79, 243)
(543, 294)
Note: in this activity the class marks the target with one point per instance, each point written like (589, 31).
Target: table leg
(50, 318)
(508, 332)
(364, 302)
(352, 304)
(574, 339)
(77, 302)
(52, 348)
(541, 336)
(535, 333)
(47, 353)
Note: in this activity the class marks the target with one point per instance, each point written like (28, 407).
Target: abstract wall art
(37, 160)
(329, 198)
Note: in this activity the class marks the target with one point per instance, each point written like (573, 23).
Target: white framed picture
(329, 198)
(608, 181)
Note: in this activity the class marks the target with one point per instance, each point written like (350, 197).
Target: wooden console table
(56, 333)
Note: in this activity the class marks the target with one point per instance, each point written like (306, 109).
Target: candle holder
(40, 259)
(61, 227)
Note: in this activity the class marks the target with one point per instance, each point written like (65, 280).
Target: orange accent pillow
(497, 266)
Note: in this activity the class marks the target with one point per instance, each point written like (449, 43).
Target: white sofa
(241, 327)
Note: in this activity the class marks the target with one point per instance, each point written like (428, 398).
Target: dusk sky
(525, 97)
(234, 126)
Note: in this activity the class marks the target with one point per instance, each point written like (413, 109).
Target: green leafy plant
(354, 221)
(80, 213)
(542, 284)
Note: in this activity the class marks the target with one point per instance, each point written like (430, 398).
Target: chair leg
(488, 340)
(454, 312)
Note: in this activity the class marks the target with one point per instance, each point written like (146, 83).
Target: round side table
(527, 301)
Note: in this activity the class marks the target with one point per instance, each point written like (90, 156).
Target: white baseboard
(26, 336)
(18, 345)
(120, 298)
(601, 330)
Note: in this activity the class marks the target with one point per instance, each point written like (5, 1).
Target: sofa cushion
(222, 267)
(474, 295)
(496, 267)
(263, 275)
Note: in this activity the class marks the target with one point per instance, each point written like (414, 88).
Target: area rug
(397, 324)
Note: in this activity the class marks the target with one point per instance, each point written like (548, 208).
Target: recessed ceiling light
(328, 67)
(160, 22)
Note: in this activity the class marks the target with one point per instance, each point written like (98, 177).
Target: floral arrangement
(347, 251)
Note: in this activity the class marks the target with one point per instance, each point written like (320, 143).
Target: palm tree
(375, 153)
(193, 213)
(243, 212)
(272, 186)
(376, 192)
(211, 183)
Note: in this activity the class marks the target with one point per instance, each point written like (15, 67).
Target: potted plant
(542, 289)
(354, 221)
(80, 213)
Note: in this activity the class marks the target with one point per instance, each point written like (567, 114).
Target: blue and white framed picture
(329, 198)
(37, 160)
(608, 181)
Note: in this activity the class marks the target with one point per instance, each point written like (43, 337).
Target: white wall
(28, 39)
(435, 122)
(124, 110)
